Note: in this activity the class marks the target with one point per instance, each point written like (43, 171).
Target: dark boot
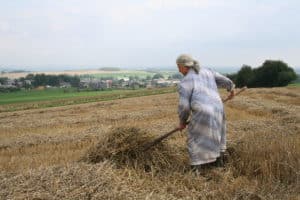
(221, 160)
(201, 169)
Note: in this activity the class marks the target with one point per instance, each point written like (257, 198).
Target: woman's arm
(184, 107)
(223, 81)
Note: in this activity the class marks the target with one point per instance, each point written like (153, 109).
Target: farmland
(22, 100)
(45, 153)
(94, 73)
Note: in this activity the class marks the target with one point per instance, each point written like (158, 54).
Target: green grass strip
(43, 99)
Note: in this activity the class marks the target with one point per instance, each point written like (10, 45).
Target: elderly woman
(199, 97)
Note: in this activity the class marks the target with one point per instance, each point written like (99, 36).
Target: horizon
(220, 69)
(87, 67)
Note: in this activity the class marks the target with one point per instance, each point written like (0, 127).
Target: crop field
(53, 97)
(91, 150)
(44, 95)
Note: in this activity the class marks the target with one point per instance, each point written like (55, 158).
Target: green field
(47, 95)
(23, 100)
(295, 84)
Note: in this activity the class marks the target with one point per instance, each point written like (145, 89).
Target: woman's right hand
(181, 126)
(231, 95)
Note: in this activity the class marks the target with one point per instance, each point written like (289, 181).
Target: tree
(157, 76)
(244, 76)
(232, 77)
(52, 80)
(131, 77)
(273, 74)
(40, 80)
(176, 76)
(75, 81)
(30, 77)
(3, 80)
(148, 77)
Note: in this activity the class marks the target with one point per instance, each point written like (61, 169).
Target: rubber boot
(221, 160)
(201, 169)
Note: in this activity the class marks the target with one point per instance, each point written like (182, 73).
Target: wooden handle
(237, 93)
(159, 139)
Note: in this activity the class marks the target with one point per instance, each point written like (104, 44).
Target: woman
(199, 97)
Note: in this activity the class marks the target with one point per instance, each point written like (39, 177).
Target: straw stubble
(123, 146)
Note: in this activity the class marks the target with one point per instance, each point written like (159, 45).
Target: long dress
(199, 99)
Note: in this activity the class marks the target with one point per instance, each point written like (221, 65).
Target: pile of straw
(124, 147)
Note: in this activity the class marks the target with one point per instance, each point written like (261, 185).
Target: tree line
(52, 80)
(272, 73)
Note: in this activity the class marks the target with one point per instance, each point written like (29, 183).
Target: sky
(65, 34)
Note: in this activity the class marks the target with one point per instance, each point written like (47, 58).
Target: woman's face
(182, 69)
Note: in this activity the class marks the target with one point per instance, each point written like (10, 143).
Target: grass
(42, 95)
(49, 94)
(295, 84)
(23, 100)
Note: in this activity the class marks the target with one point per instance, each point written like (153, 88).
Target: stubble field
(52, 153)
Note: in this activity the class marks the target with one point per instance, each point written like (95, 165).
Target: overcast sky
(150, 33)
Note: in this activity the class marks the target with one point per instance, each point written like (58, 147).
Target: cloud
(124, 13)
(4, 27)
(96, 31)
(181, 5)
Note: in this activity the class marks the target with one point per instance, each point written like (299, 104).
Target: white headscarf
(188, 61)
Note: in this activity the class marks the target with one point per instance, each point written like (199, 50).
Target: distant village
(42, 81)
(126, 83)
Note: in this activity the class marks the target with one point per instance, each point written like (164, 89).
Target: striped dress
(199, 99)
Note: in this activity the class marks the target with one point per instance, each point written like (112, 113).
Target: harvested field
(92, 151)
